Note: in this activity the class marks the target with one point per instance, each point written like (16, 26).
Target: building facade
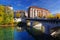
(35, 12)
(20, 13)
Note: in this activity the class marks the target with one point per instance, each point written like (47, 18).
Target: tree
(57, 15)
(50, 16)
(6, 17)
(18, 14)
(2, 11)
(9, 15)
(6, 14)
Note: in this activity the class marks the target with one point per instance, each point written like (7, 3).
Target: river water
(23, 35)
(7, 33)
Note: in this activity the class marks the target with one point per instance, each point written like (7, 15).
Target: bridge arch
(55, 31)
(48, 24)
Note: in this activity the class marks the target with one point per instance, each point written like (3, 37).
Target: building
(10, 7)
(36, 12)
(26, 14)
(20, 13)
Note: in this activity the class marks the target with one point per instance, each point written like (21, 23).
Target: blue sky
(52, 5)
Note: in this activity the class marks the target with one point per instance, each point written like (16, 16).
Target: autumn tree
(51, 16)
(6, 17)
(57, 15)
(18, 14)
(6, 14)
(2, 11)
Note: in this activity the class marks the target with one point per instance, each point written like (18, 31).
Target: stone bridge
(47, 23)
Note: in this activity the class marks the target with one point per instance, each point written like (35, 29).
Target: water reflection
(37, 34)
(22, 35)
(55, 32)
(11, 33)
(6, 33)
(18, 33)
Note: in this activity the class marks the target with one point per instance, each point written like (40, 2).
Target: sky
(52, 5)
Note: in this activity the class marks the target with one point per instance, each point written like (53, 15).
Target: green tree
(6, 14)
(2, 11)
(18, 14)
(57, 15)
(50, 16)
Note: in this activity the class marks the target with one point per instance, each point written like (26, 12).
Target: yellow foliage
(2, 8)
(57, 15)
(18, 14)
(1, 19)
(50, 16)
(12, 21)
(6, 14)
(1, 13)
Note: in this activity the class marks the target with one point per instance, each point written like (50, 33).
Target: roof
(37, 7)
(20, 11)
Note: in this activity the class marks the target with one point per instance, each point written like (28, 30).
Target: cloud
(19, 5)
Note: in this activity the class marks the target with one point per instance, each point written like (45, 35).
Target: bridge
(47, 23)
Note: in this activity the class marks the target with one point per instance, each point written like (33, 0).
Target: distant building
(35, 12)
(8, 6)
(26, 13)
(20, 13)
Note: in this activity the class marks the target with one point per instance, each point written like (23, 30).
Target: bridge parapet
(47, 23)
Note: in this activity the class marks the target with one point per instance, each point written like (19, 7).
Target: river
(23, 35)
(7, 33)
